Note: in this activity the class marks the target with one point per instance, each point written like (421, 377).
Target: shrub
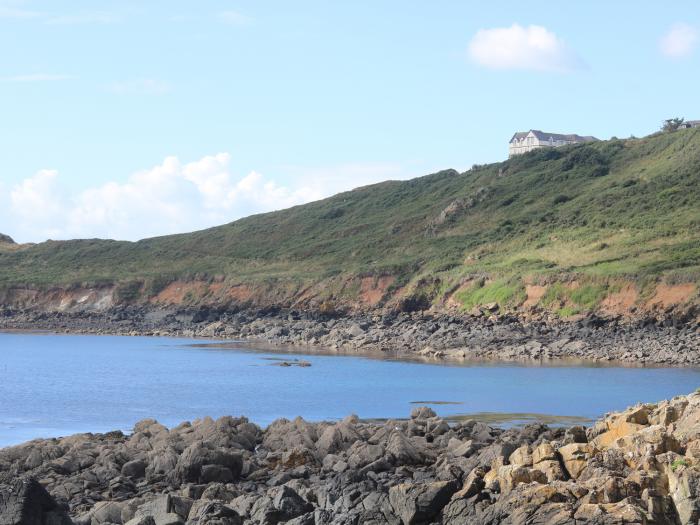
(128, 292)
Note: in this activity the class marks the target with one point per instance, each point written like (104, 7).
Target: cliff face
(608, 227)
(625, 300)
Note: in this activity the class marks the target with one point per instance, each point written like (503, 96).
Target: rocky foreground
(482, 335)
(640, 466)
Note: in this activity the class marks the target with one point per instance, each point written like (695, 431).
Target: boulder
(473, 484)
(684, 489)
(551, 468)
(26, 502)
(205, 512)
(289, 504)
(628, 512)
(422, 413)
(165, 509)
(362, 453)
(134, 469)
(521, 456)
(403, 451)
(509, 476)
(617, 429)
(420, 502)
(190, 464)
(575, 457)
(543, 452)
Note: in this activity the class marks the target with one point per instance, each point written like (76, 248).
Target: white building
(690, 124)
(524, 141)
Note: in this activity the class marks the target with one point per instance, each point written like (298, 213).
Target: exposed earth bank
(430, 336)
(640, 466)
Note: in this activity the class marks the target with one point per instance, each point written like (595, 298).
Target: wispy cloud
(36, 77)
(83, 18)
(235, 18)
(533, 48)
(19, 13)
(140, 86)
(10, 9)
(679, 41)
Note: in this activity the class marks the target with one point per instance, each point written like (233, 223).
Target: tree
(672, 124)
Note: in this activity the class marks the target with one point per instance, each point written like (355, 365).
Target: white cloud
(235, 18)
(140, 86)
(36, 77)
(532, 48)
(679, 41)
(168, 198)
(38, 200)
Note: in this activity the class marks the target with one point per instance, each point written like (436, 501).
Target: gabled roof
(544, 136)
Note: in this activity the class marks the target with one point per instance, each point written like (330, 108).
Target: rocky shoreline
(486, 336)
(639, 466)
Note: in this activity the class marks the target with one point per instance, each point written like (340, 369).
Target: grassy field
(602, 212)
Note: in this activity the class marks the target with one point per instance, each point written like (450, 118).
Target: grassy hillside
(600, 212)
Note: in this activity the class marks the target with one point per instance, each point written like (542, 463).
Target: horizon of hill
(610, 226)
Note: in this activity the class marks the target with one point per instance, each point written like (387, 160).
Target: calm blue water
(53, 385)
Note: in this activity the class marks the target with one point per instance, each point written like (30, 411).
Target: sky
(128, 119)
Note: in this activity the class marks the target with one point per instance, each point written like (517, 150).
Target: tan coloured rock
(692, 450)
(551, 468)
(617, 429)
(623, 512)
(687, 427)
(521, 456)
(510, 476)
(575, 457)
(684, 488)
(472, 485)
(638, 415)
(543, 452)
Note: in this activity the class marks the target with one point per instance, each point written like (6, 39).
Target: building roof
(543, 135)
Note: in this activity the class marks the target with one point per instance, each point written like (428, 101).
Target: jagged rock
(212, 513)
(165, 510)
(551, 468)
(473, 484)
(623, 512)
(229, 471)
(521, 456)
(403, 451)
(290, 504)
(134, 469)
(684, 488)
(200, 459)
(575, 457)
(509, 476)
(543, 452)
(422, 413)
(418, 503)
(25, 502)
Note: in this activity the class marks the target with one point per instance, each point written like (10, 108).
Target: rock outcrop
(639, 466)
(420, 335)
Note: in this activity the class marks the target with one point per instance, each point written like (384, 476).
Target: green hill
(598, 215)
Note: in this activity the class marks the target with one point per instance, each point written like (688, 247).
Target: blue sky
(135, 118)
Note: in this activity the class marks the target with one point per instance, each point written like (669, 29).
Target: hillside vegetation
(598, 215)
